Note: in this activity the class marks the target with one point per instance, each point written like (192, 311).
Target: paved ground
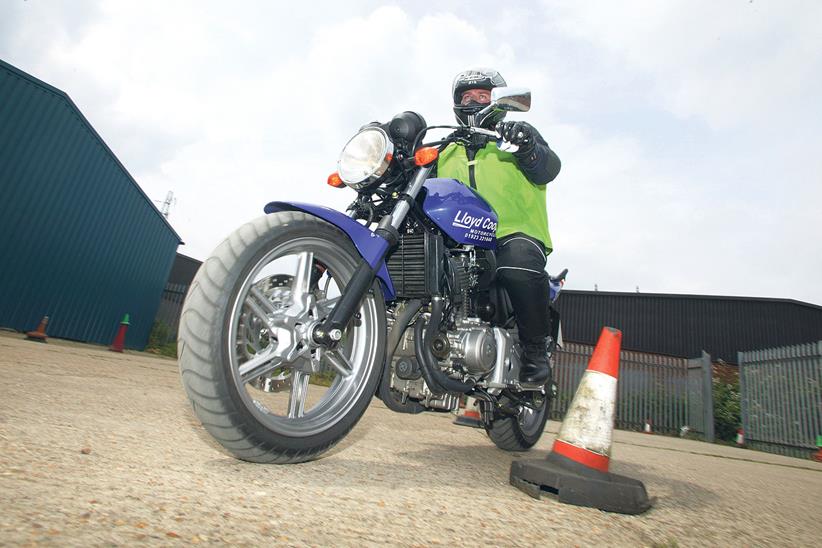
(101, 448)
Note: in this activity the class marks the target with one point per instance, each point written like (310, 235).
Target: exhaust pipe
(437, 381)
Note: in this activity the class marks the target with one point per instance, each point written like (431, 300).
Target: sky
(690, 131)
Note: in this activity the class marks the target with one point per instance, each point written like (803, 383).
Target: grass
(168, 350)
(323, 378)
(159, 341)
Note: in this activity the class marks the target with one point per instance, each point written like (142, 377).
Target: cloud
(727, 63)
(29, 31)
(227, 137)
(687, 130)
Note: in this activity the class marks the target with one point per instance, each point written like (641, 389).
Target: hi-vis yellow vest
(519, 203)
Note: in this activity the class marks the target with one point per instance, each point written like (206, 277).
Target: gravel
(102, 448)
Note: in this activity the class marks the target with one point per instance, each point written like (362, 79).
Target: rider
(514, 185)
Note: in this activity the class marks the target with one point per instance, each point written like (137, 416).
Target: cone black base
(462, 420)
(578, 485)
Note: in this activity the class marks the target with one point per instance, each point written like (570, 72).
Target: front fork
(329, 332)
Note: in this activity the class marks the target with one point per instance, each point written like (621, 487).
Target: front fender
(371, 246)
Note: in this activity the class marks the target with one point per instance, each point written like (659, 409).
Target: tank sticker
(464, 220)
(480, 229)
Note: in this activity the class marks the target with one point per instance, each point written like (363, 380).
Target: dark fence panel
(781, 393)
(651, 388)
(171, 306)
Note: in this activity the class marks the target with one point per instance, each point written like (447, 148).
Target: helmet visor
(481, 96)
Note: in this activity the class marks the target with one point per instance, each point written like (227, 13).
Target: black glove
(518, 133)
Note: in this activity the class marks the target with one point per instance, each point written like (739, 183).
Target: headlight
(365, 157)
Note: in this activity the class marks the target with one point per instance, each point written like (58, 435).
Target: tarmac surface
(100, 448)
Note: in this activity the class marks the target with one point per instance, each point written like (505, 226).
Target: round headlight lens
(365, 157)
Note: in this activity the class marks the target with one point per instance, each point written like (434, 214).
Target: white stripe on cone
(589, 422)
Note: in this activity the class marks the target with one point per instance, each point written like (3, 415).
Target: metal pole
(402, 207)
(707, 397)
(743, 394)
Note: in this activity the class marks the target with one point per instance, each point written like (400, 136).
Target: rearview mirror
(511, 99)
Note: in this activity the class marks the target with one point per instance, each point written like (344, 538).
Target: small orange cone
(647, 428)
(577, 467)
(468, 414)
(39, 335)
(740, 437)
(120, 338)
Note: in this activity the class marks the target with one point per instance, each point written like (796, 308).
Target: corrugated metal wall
(685, 325)
(183, 270)
(79, 241)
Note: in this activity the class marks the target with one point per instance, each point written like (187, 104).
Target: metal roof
(684, 325)
(62, 95)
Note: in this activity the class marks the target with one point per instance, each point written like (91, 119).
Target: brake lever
(502, 144)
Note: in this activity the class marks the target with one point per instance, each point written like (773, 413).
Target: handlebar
(483, 131)
(467, 129)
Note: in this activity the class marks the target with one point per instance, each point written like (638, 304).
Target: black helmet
(479, 78)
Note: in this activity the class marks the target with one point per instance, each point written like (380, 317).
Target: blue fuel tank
(460, 213)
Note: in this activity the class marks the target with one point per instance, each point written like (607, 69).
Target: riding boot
(535, 367)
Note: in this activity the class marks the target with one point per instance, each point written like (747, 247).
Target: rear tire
(522, 432)
(219, 333)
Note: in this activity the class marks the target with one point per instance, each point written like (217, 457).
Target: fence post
(743, 395)
(708, 396)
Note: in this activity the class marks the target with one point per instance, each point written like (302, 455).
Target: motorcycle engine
(473, 347)
(421, 267)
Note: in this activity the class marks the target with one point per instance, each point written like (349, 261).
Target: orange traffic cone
(468, 414)
(39, 335)
(577, 467)
(120, 339)
(647, 428)
(740, 437)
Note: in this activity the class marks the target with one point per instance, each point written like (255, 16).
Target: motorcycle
(301, 316)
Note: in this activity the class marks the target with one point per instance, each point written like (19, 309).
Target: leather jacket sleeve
(540, 165)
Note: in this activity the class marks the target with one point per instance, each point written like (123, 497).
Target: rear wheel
(256, 380)
(522, 430)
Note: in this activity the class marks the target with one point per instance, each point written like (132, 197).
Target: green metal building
(79, 240)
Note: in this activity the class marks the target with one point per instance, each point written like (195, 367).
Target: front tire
(246, 359)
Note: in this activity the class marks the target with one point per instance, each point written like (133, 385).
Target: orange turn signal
(425, 156)
(335, 180)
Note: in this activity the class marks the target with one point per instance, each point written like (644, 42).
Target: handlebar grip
(560, 277)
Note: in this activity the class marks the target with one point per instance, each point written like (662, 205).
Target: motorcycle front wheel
(255, 378)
